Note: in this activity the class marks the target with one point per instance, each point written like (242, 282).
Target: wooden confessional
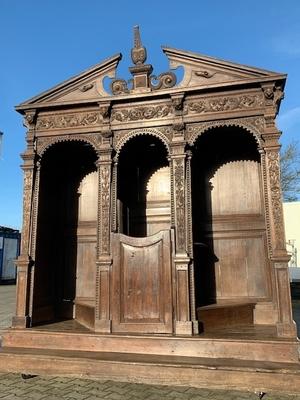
(153, 223)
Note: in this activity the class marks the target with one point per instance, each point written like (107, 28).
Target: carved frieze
(221, 104)
(254, 125)
(141, 113)
(63, 121)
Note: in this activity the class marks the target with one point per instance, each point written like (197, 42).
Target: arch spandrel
(44, 143)
(254, 126)
(122, 140)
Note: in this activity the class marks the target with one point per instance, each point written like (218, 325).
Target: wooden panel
(88, 195)
(241, 270)
(86, 269)
(236, 189)
(141, 288)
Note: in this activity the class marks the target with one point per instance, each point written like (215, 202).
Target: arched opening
(66, 232)
(229, 232)
(144, 200)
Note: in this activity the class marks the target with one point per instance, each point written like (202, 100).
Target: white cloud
(289, 119)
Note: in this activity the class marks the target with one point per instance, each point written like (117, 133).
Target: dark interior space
(62, 168)
(212, 150)
(141, 157)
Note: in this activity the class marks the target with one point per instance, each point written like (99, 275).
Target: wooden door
(141, 295)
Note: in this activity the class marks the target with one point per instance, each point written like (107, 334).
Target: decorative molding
(141, 113)
(253, 125)
(43, 143)
(275, 190)
(122, 138)
(63, 121)
(220, 104)
(266, 202)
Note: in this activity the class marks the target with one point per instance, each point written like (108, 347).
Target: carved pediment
(200, 70)
(83, 87)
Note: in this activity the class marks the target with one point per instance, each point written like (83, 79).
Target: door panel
(141, 284)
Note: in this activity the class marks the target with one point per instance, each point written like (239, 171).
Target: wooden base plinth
(239, 347)
(181, 371)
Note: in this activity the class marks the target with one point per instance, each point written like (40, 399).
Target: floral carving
(224, 104)
(27, 195)
(104, 211)
(276, 198)
(68, 120)
(179, 201)
(140, 113)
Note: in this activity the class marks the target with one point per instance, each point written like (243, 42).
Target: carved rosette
(273, 163)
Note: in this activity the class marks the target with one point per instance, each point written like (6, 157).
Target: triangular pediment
(204, 70)
(85, 86)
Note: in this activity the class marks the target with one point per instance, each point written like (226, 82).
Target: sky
(43, 42)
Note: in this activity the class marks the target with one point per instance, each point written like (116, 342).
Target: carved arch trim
(141, 132)
(254, 126)
(44, 143)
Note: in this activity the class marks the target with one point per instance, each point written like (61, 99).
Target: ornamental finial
(138, 52)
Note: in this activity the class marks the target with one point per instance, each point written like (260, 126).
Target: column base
(103, 325)
(183, 328)
(20, 322)
(287, 330)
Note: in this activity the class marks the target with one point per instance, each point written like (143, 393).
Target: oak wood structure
(153, 228)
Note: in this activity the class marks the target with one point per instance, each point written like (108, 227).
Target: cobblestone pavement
(12, 386)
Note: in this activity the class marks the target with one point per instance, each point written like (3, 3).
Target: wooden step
(224, 315)
(239, 348)
(154, 369)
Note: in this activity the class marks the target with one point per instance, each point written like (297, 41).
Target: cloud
(289, 119)
(288, 43)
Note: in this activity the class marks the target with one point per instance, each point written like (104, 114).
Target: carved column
(183, 324)
(276, 236)
(104, 261)
(24, 262)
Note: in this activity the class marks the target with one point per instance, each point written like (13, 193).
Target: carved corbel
(104, 109)
(30, 119)
(273, 94)
(177, 103)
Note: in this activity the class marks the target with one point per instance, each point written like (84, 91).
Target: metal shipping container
(9, 251)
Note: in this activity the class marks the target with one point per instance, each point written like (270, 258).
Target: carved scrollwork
(141, 113)
(27, 196)
(163, 81)
(224, 104)
(119, 86)
(253, 125)
(62, 121)
(104, 177)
